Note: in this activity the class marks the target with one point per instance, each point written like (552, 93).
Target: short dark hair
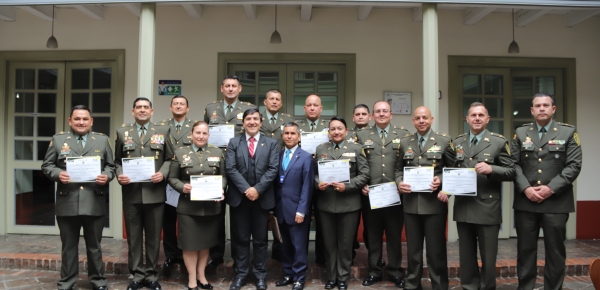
(291, 124)
(230, 77)
(141, 99)
(542, 95)
(361, 106)
(80, 107)
(187, 103)
(275, 91)
(336, 118)
(250, 112)
(477, 104)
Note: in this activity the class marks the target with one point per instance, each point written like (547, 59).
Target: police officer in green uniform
(339, 202)
(547, 156)
(478, 218)
(425, 212)
(272, 119)
(143, 202)
(80, 204)
(360, 117)
(228, 111)
(179, 136)
(380, 144)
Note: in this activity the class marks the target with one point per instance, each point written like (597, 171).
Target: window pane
(299, 102)
(521, 107)
(466, 127)
(495, 107)
(327, 82)
(102, 125)
(248, 98)
(545, 84)
(80, 99)
(25, 79)
(101, 103)
(102, 78)
(304, 82)
(467, 101)
(47, 79)
(34, 198)
(496, 127)
(80, 79)
(494, 84)
(24, 102)
(23, 150)
(47, 103)
(247, 80)
(24, 126)
(523, 86)
(268, 81)
(261, 103)
(471, 84)
(42, 148)
(519, 123)
(329, 105)
(46, 126)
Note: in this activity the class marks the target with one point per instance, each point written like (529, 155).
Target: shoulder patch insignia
(515, 136)
(576, 138)
(451, 145)
(507, 148)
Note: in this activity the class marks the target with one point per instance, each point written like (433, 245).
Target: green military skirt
(197, 232)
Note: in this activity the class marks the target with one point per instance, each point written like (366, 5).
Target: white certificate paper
(206, 187)
(459, 181)
(419, 178)
(310, 140)
(334, 170)
(220, 134)
(83, 169)
(138, 169)
(383, 195)
(172, 196)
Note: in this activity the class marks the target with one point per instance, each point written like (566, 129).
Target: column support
(146, 50)
(430, 61)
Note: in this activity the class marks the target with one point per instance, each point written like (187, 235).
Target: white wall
(387, 48)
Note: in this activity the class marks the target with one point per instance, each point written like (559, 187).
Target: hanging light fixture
(513, 47)
(275, 37)
(52, 42)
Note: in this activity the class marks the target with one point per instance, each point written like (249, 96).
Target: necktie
(543, 133)
(383, 136)
(421, 142)
(251, 146)
(200, 153)
(178, 129)
(286, 159)
(143, 134)
(312, 127)
(474, 142)
(229, 108)
(80, 143)
(272, 120)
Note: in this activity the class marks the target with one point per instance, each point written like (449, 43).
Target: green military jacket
(74, 199)
(184, 137)
(305, 126)
(275, 130)
(185, 163)
(381, 156)
(331, 200)
(214, 114)
(554, 161)
(353, 133)
(438, 152)
(155, 144)
(486, 207)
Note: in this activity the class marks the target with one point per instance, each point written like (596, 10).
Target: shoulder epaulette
(98, 133)
(528, 124)
(215, 102)
(159, 124)
(127, 125)
(61, 133)
(408, 135)
(442, 134)
(565, 124)
(498, 135)
(213, 146)
(463, 134)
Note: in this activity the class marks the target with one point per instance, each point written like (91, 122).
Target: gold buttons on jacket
(383, 155)
(470, 159)
(419, 157)
(540, 159)
(382, 165)
(383, 174)
(540, 149)
(81, 187)
(539, 171)
(539, 182)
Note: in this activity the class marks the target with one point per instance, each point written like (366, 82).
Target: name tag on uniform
(349, 154)
(368, 143)
(556, 142)
(214, 159)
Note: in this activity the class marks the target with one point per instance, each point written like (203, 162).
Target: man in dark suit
(80, 204)
(227, 111)
(179, 136)
(547, 156)
(251, 164)
(425, 212)
(478, 218)
(143, 202)
(380, 144)
(293, 193)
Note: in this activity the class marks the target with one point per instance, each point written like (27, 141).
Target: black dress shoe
(261, 284)
(204, 286)
(298, 286)
(371, 280)
(398, 282)
(342, 285)
(331, 284)
(237, 284)
(154, 285)
(135, 286)
(287, 280)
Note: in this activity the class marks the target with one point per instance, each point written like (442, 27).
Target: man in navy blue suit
(293, 193)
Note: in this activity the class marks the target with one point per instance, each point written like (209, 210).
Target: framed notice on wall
(399, 101)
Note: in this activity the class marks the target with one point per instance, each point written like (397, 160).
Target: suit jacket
(437, 152)
(185, 163)
(155, 144)
(214, 114)
(486, 207)
(554, 161)
(294, 193)
(274, 131)
(183, 138)
(74, 199)
(331, 200)
(266, 169)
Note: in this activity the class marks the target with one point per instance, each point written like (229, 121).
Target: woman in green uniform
(198, 220)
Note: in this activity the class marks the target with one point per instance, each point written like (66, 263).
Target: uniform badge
(434, 149)
(157, 139)
(240, 116)
(324, 156)
(65, 150)
(186, 159)
(528, 143)
(369, 143)
(507, 148)
(214, 159)
(409, 153)
(576, 138)
(349, 154)
(556, 142)
(396, 141)
(213, 118)
(460, 153)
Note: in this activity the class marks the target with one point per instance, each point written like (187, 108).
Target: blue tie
(286, 159)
